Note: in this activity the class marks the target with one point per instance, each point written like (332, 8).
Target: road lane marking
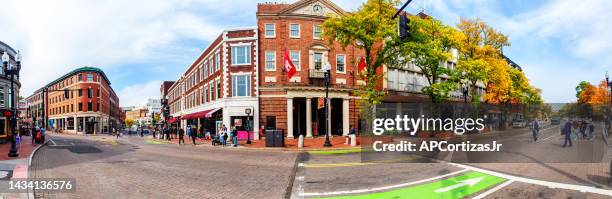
(54, 144)
(469, 182)
(553, 185)
(382, 188)
(494, 189)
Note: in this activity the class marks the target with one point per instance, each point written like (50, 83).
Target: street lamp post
(248, 113)
(465, 89)
(327, 68)
(12, 71)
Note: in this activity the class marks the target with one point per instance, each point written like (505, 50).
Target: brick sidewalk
(24, 148)
(309, 143)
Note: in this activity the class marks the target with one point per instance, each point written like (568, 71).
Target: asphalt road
(135, 168)
(526, 169)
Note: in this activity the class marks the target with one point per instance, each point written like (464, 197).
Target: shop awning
(172, 120)
(201, 114)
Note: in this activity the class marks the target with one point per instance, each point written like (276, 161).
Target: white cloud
(137, 94)
(57, 36)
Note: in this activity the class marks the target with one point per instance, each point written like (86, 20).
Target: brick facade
(276, 88)
(90, 95)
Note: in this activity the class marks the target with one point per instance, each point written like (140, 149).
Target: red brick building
(92, 106)
(219, 85)
(293, 104)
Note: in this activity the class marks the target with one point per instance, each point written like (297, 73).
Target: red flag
(289, 67)
(361, 65)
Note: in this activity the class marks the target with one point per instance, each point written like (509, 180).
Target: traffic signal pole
(401, 9)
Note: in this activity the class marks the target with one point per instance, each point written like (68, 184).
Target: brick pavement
(133, 169)
(25, 148)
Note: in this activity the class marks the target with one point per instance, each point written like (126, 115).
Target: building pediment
(313, 7)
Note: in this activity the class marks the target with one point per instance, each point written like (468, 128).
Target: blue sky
(140, 43)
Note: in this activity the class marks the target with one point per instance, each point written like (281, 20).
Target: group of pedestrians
(193, 134)
(577, 129)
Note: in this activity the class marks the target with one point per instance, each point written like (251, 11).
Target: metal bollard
(301, 141)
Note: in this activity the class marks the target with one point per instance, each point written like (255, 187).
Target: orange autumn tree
(594, 94)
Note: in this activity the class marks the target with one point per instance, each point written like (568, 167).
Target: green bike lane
(460, 186)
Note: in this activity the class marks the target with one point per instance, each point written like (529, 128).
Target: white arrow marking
(470, 182)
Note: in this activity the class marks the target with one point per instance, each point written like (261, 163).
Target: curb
(289, 189)
(35, 150)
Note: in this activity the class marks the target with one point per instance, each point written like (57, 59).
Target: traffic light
(66, 93)
(404, 27)
(166, 111)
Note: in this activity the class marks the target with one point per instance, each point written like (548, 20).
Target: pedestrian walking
(535, 129)
(35, 135)
(234, 136)
(194, 135)
(181, 135)
(567, 132)
(223, 136)
(591, 130)
(583, 128)
(42, 135)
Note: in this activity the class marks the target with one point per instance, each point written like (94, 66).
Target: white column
(289, 117)
(256, 122)
(345, 116)
(226, 118)
(309, 117)
(329, 117)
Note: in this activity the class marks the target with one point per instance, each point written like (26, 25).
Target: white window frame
(298, 30)
(217, 62)
(248, 56)
(235, 85)
(266, 30)
(273, 61)
(212, 65)
(298, 66)
(314, 28)
(344, 67)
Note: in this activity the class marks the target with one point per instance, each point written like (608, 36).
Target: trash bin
(269, 138)
(279, 138)
(275, 138)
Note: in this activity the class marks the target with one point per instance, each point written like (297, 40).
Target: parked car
(555, 121)
(519, 124)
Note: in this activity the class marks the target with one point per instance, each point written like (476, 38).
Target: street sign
(23, 105)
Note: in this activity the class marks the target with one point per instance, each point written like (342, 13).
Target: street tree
(129, 122)
(480, 58)
(367, 29)
(581, 87)
(372, 29)
(429, 46)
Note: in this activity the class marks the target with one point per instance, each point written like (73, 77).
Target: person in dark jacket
(194, 134)
(181, 135)
(567, 131)
(535, 130)
(234, 136)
